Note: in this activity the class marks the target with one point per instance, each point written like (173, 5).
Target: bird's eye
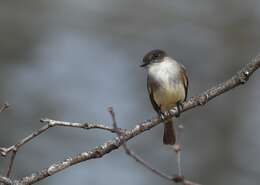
(156, 55)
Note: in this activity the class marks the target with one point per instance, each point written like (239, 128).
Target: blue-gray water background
(70, 60)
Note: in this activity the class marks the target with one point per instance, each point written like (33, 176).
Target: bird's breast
(167, 96)
(170, 88)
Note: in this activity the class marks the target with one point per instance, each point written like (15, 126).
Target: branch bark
(175, 178)
(52, 123)
(240, 78)
(6, 181)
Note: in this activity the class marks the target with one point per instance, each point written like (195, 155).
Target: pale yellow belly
(166, 97)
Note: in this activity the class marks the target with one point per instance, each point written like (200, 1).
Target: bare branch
(11, 163)
(240, 78)
(86, 126)
(132, 154)
(6, 181)
(49, 123)
(52, 123)
(5, 151)
(187, 182)
(176, 178)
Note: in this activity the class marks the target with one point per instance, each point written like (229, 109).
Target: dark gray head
(153, 56)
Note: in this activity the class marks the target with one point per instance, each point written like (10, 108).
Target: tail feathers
(169, 137)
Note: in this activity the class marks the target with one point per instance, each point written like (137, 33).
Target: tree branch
(11, 163)
(6, 181)
(240, 78)
(52, 123)
(140, 160)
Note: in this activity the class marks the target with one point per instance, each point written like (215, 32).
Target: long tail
(169, 137)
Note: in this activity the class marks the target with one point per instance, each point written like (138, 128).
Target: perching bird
(167, 84)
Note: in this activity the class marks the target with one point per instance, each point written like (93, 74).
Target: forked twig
(52, 123)
(176, 178)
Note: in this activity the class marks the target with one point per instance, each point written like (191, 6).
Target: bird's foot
(164, 115)
(179, 108)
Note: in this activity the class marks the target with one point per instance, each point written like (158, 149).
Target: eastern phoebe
(167, 84)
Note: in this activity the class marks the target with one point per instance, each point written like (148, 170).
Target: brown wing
(185, 80)
(151, 86)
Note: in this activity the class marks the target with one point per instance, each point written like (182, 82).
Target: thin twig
(5, 151)
(49, 123)
(4, 180)
(187, 182)
(177, 148)
(9, 169)
(86, 126)
(52, 123)
(240, 78)
(4, 107)
(11, 163)
(131, 153)
(176, 178)
(140, 160)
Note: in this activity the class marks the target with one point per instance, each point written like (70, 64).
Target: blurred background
(70, 60)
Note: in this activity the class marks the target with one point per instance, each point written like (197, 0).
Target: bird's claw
(179, 108)
(164, 115)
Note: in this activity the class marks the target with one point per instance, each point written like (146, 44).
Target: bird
(167, 85)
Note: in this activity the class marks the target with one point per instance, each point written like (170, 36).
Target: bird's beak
(144, 64)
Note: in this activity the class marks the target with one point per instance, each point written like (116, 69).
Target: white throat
(165, 69)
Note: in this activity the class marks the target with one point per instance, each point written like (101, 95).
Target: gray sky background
(70, 60)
